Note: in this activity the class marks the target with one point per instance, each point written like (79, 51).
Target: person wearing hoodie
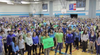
(35, 43)
(77, 38)
(1, 46)
(9, 40)
(98, 44)
(14, 45)
(69, 41)
(92, 38)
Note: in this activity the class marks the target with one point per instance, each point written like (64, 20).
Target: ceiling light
(4, 0)
(24, 2)
(10, 3)
(36, 0)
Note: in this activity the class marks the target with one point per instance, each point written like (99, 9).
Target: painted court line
(67, 54)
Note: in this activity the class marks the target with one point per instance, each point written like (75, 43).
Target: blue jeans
(60, 46)
(98, 49)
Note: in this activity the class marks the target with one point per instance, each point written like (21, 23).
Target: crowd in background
(20, 35)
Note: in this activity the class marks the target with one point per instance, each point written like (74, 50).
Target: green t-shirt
(81, 32)
(41, 39)
(40, 24)
(45, 37)
(32, 27)
(24, 37)
(59, 37)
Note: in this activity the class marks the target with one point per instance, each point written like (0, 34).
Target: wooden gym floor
(74, 52)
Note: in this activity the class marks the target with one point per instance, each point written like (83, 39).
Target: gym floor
(74, 52)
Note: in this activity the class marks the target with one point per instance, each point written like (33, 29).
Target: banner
(47, 43)
(72, 6)
(45, 7)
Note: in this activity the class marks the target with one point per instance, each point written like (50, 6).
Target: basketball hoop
(63, 11)
(63, 4)
(34, 11)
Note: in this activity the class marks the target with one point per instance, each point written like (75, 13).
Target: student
(92, 38)
(24, 37)
(4, 36)
(59, 41)
(29, 43)
(98, 45)
(84, 39)
(69, 41)
(14, 45)
(77, 38)
(35, 43)
(9, 40)
(21, 44)
(1, 46)
(52, 35)
(46, 51)
(40, 42)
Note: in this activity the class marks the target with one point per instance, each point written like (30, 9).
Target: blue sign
(71, 7)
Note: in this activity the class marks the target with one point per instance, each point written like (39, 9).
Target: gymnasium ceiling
(29, 1)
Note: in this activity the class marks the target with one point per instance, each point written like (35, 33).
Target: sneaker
(92, 52)
(70, 53)
(85, 51)
(60, 53)
(96, 54)
(88, 51)
(65, 53)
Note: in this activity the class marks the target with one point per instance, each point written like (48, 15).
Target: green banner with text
(47, 43)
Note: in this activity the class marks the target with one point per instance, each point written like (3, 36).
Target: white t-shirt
(21, 44)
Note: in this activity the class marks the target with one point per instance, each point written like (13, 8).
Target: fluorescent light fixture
(24, 2)
(4, 0)
(10, 3)
(36, 0)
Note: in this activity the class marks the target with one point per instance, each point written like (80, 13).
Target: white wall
(14, 10)
(57, 8)
(36, 7)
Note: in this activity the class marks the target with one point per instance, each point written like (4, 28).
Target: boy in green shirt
(59, 41)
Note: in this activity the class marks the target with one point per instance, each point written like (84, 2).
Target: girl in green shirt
(40, 42)
(24, 37)
(46, 50)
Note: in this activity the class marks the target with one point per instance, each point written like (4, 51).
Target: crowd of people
(20, 35)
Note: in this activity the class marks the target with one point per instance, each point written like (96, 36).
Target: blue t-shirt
(52, 35)
(35, 40)
(0, 44)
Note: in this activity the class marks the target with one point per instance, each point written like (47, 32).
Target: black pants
(13, 53)
(29, 49)
(5, 47)
(77, 43)
(35, 49)
(22, 51)
(26, 47)
(9, 49)
(84, 44)
(69, 44)
(41, 47)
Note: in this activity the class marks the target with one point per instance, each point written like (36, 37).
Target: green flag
(47, 43)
